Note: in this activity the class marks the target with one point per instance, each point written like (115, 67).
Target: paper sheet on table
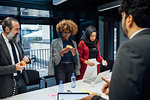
(91, 71)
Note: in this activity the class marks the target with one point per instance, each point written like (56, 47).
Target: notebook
(97, 79)
(71, 96)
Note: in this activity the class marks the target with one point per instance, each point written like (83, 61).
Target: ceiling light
(57, 2)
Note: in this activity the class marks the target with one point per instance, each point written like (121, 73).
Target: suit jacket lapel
(5, 48)
(60, 42)
(146, 31)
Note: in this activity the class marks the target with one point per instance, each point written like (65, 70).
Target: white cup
(103, 62)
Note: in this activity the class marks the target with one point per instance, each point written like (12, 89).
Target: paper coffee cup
(103, 62)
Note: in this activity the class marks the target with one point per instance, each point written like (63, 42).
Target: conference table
(50, 93)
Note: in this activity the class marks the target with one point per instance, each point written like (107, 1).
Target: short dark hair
(7, 22)
(139, 9)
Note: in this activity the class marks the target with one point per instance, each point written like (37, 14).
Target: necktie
(15, 57)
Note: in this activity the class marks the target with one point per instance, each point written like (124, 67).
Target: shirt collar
(5, 38)
(137, 32)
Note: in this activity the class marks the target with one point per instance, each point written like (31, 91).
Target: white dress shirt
(137, 32)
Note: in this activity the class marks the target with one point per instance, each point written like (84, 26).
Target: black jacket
(131, 71)
(7, 69)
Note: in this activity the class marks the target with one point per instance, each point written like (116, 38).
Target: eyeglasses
(66, 33)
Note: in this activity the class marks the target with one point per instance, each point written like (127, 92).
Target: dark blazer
(7, 69)
(131, 71)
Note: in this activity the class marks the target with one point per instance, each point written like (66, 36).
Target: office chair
(34, 80)
(49, 80)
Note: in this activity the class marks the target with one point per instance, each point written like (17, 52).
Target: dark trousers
(20, 85)
(64, 71)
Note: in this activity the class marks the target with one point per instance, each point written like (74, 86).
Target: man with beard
(130, 75)
(11, 55)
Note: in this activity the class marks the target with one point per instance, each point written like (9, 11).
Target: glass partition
(36, 44)
(8, 10)
(34, 12)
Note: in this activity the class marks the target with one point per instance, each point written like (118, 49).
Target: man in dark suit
(131, 71)
(11, 55)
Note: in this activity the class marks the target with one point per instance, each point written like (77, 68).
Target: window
(34, 12)
(35, 35)
(8, 10)
(1, 30)
(115, 42)
(36, 44)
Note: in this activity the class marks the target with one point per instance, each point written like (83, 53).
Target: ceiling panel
(81, 5)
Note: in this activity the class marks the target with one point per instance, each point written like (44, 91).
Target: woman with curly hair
(64, 57)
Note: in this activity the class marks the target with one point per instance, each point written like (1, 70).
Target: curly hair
(67, 25)
(139, 9)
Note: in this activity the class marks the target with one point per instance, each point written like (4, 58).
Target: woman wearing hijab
(64, 56)
(88, 48)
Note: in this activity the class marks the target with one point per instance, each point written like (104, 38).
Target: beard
(12, 37)
(125, 31)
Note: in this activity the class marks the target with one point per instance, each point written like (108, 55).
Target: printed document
(91, 71)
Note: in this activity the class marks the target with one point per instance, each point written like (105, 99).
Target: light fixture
(57, 2)
(108, 6)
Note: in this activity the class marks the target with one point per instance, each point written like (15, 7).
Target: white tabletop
(50, 93)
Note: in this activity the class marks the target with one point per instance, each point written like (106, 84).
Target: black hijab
(86, 37)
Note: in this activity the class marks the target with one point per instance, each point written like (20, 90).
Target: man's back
(132, 69)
